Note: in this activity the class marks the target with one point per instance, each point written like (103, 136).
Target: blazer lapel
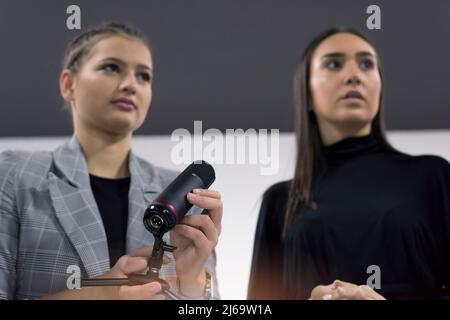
(76, 208)
(144, 188)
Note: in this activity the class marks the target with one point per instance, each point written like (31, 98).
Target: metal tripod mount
(152, 275)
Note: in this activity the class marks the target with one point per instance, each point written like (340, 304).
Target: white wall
(241, 187)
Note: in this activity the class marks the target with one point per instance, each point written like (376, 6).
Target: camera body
(170, 207)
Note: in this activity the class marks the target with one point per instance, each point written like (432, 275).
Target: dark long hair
(309, 156)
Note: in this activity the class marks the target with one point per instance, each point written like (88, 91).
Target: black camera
(170, 207)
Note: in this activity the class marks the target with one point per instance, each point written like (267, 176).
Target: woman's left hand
(195, 237)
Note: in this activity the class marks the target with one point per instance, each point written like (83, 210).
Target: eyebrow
(341, 54)
(142, 66)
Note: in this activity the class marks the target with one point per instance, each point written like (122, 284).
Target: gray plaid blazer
(49, 219)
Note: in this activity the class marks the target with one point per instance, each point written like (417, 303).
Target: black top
(111, 196)
(374, 208)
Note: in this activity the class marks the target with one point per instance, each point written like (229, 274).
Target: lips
(125, 103)
(353, 94)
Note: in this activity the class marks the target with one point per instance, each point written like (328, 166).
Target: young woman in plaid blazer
(49, 218)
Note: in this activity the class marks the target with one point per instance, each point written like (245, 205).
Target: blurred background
(229, 64)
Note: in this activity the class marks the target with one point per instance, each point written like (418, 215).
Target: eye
(111, 67)
(367, 64)
(144, 76)
(333, 64)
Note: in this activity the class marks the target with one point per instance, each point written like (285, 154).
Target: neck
(106, 154)
(332, 134)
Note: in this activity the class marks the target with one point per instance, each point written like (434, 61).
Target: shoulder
(21, 170)
(279, 190)
(272, 211)
(421, 163)
(424, 159)
(435, 161)
(25, 163)
(438, 167)
(432, 164)
(159, 175)
(429, 171)
(275, 199)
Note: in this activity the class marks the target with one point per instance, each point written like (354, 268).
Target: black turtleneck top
(381, 218)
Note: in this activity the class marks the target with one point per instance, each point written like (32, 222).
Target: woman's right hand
(135, 262)
(323, 292)
(340, 290)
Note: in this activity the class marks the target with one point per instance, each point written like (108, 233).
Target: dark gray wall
(228, 63)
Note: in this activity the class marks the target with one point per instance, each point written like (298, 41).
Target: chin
(355, 120)
(356, 115)
(120, 128)
(355, 126)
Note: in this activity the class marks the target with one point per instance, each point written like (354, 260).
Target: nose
(128, 83)
(352, 76)
(353, 80)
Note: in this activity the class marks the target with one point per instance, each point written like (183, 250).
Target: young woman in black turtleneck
(359, 220)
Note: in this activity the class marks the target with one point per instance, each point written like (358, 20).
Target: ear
(66, 85)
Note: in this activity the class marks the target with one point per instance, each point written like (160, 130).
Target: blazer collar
(70, 161)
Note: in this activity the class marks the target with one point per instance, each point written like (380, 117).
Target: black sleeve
(444, 195)
(267, 264)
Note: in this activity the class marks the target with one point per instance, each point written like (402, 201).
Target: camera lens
(156, 221)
